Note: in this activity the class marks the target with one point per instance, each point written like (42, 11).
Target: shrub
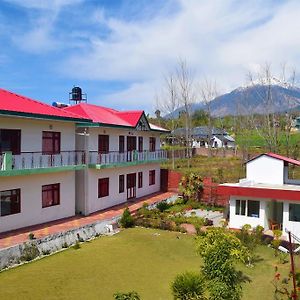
(76, 246)
(162, 206)
(188, 286)
(127, 220)
(31, 236)
(191, 186)
(127, 296)
(29, 252)
(65, 245)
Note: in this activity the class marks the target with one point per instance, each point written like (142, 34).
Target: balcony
(118, 159)
(38, 162)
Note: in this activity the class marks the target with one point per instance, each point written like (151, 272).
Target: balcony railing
(126, 157)
(36, 160)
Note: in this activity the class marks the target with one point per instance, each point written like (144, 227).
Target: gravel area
(215, 216)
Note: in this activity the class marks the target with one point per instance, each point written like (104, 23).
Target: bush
(127, 296)
(76, 246)
(127, 220)
(31, 236)
(188, 286)
(162, 206)
(30, 252)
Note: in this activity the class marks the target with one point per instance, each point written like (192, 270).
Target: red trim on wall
(259, 192)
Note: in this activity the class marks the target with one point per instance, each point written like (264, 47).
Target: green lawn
(138, 259)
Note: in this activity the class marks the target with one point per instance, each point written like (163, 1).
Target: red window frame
(121, 184)
(152, 144)
(140, 145)
(103, 187)
(140, 179)
(51, 142)
(121, 144)
(151, 177)
(103, 143)
(50, 195)
(10, 202)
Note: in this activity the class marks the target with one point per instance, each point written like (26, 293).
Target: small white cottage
(267, 196)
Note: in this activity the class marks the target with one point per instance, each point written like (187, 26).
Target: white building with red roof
(57, 162)
(267, 196)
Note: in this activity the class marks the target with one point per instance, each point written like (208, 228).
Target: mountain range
(253, 99)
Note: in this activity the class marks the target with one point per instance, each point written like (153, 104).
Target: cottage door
(131, 186)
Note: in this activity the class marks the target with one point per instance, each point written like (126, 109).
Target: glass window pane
(253, 209)
(237, 207)
(243, 207)
(294, 214)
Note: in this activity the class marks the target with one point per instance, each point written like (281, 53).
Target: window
(10, 140)
(140, 144)
(294, 212)
(10, 202)
(103, 143)
(50, 195)
(152, 142)
(131, 143)
(248, 208)
(253, 209)
(151, 177)
(103, 187)
(121, 144)
(51, 142)
(121, 183)
(140, 180)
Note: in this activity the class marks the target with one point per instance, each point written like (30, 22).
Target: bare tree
(208, 92)
(169, 104)
(186, 97)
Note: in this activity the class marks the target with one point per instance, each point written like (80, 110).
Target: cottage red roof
(104, 115)
(280, 157)
(14, 104)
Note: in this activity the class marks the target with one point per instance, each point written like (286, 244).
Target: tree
(126, 219)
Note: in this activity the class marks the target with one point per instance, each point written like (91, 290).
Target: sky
(118, 51)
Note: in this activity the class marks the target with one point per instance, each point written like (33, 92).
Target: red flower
(277, 276)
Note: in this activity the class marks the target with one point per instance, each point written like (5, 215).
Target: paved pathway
(15, 237)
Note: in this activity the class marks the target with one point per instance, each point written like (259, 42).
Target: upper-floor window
(141, 147)
(121, 144)
(10, 140)
(50, 195)
(103, 143)
(152, 143)
(10, 202)
(51, 142)
(131, 143)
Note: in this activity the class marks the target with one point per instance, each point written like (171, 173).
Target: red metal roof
(104, 115)
(11, 103)
(280, 157)
(255, 192)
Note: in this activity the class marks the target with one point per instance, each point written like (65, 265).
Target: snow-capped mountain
(254, 98)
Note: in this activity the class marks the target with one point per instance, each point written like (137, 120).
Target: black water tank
(76, 93)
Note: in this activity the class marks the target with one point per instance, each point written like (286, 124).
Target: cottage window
(240, 207)
(51, 142)
(121, 143)
(103, 187)
(10, 140)
(10, 202)
(50, 195)
(248, 208)
(294, 212)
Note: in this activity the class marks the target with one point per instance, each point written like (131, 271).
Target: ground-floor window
(140, 180)
(10, 202)
(151, 177)
(103, 187)
(248, 208)
(50, 195)
(294, 212)
(121, 183)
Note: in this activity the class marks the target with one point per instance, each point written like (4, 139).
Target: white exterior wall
(114, 198)
(237, 221)
(114, 134)
(265, 169)
(31, 132)
(294, 227)
(31, 199)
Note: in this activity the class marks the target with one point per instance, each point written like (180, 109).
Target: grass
(138, 259)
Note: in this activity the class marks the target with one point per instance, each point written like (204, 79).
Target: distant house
(202, 137)
(297, 123)
(267, 196)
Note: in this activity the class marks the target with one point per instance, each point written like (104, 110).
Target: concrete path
(16, 237)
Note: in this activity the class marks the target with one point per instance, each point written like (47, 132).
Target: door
(131, 146)
(131, 186)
